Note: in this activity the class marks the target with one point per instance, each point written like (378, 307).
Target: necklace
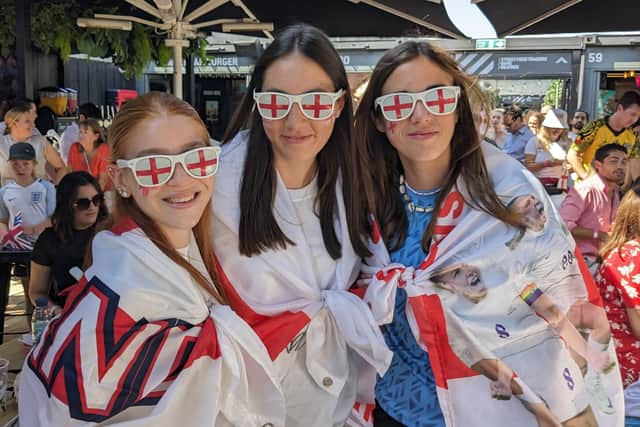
(412, 206)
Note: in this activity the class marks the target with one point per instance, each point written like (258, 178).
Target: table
(7, 260)
(15, 352)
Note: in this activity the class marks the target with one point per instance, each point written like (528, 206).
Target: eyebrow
(185, 147)
(316, 89)
(427, 88)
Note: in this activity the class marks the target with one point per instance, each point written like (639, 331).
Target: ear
(115, 173)
(339, 105)
(379, 122)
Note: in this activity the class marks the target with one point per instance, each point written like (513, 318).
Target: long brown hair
(135, 113)
(258, 230)
(627, 224)
(383, 162)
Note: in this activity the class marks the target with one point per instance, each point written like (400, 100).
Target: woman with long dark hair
(79, 207)
(290, 225)
(145, 338)
(443, 200)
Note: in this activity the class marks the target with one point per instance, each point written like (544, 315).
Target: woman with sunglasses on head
(144, 338)
(439, 196)
(290, 225)
(79, 207)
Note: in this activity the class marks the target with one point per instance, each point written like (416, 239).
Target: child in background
(26, 205)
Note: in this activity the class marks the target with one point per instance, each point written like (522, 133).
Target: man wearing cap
(519, 133)
(26, 205)
(612, 129)
(591, 205)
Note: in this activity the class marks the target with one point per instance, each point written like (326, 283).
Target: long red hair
(134, 113)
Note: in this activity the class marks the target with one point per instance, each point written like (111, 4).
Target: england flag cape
(277, 293)
(140, 344)
(489, 316)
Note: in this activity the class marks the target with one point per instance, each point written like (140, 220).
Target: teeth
(182, 199)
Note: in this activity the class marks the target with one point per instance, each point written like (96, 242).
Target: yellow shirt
(598, 133)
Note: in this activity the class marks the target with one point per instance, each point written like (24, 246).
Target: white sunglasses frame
(175, 159)
(297, 99)
(415, 97)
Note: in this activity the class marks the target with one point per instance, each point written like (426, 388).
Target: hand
(500, 390)
(600, 360)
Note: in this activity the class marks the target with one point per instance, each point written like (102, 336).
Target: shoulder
(48, 185)
(47, 237)
(103, 149)
(592, 128)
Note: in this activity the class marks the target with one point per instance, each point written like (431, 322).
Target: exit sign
(491, 44)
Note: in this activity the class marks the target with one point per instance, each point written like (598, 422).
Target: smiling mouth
(182, 200)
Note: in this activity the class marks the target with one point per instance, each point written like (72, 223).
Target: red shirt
(618, 280)
(97, 165)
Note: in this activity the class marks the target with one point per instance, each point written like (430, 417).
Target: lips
(422, 134)
(182, 200)
(295, 139)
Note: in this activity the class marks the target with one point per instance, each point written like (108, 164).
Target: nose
(420, 112)
(179, 175)
(295, 114)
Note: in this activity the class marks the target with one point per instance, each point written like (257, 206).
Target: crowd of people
(396, 265)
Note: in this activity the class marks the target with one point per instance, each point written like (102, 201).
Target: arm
(39, 281)
(587, 233)
(575, 160)
(551, 313)
(55, 161)
(634, 320)
(530, 163)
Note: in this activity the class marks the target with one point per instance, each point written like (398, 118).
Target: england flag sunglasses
(314, 105)
(439, 101)
(155, 170)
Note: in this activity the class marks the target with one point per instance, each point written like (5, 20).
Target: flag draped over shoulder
(491, 304)
(140, 344)
(279, 295)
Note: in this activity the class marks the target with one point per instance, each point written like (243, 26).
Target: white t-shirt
(6, 174)
(36, 201)
(69, 137)
(303, 201)
(555, 152)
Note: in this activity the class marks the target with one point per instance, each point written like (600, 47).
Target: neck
(178, 238)
(296, 175)
(428, 175)
(611, 185)
(88, 147)
(79, 226)
(614, 123)
(24, 181)
(18, 138)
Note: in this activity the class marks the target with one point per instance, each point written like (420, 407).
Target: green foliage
(554, 94)
(54, 30)
(7, 26)
(53, 26)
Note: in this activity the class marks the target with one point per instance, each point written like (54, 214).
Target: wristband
(596, 234)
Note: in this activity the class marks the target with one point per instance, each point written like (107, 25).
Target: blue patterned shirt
(407, 391)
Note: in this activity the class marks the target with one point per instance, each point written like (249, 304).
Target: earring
(123, 193)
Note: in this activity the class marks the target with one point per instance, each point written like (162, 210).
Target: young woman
(91, 153)
(619, 284)
(79, 207)
(20, 123)
(290, 226)
(440, 199)
(144, 339)
(545, 154)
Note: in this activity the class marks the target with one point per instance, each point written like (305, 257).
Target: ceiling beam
(205, 8)
(541, 17)
(408, 17)
(143, 5)
(249, 13)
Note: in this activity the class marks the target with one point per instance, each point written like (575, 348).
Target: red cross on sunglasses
(314, 105)
(155, 170)
(439, 101)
